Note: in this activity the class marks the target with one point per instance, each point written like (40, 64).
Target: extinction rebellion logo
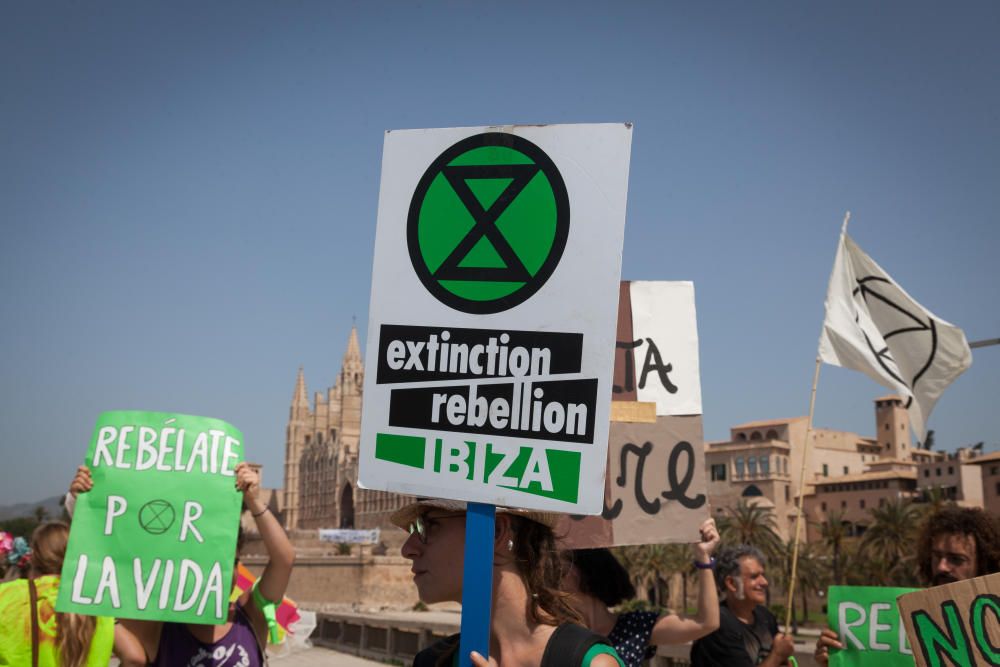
(488, 223)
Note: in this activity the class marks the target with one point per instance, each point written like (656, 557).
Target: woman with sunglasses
(531, 621)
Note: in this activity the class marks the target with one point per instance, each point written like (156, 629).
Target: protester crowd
(550, 606)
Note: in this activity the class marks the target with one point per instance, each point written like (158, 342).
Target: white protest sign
(665, 346)
(492, 317)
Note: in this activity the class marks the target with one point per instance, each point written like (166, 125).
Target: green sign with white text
(867, 620)
(155, 538)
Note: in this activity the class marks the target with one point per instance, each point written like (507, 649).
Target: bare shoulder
(604, 660)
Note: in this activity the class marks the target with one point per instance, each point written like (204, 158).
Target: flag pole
(802, 476)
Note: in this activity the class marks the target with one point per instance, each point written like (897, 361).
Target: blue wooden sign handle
(477, 582)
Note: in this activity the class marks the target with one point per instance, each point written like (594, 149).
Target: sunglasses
(422, 524)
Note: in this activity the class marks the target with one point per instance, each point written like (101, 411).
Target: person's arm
(281, 555)
(674, 629)
(128, 649)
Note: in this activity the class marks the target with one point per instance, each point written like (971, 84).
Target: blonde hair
(73, 631)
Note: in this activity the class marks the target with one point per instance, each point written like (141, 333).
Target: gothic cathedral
(321, 456)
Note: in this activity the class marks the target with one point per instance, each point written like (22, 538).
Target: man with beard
(956, 543)
(748, 633)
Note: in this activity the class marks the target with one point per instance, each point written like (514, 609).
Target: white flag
(872, 325)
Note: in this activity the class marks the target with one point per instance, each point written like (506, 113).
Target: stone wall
(361, 582)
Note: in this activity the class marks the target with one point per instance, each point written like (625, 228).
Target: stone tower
(892, 428)
(321, 455)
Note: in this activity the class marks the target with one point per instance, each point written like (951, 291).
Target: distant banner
(867, 621)
(654, 491)
(956, 624)
(345, 536)
(156, 537)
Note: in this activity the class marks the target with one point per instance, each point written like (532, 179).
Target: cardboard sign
(492, 317)
(868, 623)
(655, 486)
(156, 537)
(956, 624)
(654, 491)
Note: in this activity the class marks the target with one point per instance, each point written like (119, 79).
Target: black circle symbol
(157, 516)
(488, 223)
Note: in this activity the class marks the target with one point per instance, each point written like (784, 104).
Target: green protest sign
(867, 621)
(156, 537)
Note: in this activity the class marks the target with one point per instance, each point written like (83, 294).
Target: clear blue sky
(188, 190)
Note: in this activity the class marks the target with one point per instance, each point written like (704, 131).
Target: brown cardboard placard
(654, 489)
(954, 624)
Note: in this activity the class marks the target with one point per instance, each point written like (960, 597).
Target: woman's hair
(968, 521)
(73, 631)
(602, 576)
(541, 567)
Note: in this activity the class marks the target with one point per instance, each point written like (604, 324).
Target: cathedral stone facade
(321, 456)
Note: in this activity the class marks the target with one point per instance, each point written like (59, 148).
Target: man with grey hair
(748, 632)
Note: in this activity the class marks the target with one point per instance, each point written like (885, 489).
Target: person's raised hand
(827, 639)
(708, 541)
(82, 482)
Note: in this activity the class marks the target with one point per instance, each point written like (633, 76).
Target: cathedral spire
(353, 353)
(300, 399)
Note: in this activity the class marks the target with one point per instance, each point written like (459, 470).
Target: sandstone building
(321, 456)
(761, 462)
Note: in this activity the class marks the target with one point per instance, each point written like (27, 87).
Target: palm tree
(892, 538)
(678, 562)
(834, 531)
(754, 524)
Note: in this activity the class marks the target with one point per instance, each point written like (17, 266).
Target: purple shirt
(238, 648)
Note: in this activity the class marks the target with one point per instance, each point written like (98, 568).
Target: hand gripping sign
(155, 538)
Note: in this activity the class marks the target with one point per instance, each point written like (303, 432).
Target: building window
(772, 435)
(886, 427)
(951, 470)
(742, 437)
(881, 502)
(937, 472)
(718, 472)
(739, 467)
(826, 470)
(862, 503)
(788, 493)
(994, 470)
(927, 472)
(752, 465)
(998, 488)
(755, 436)
(822, 505)
(765, 465)
(843, 504)
(845, 470)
